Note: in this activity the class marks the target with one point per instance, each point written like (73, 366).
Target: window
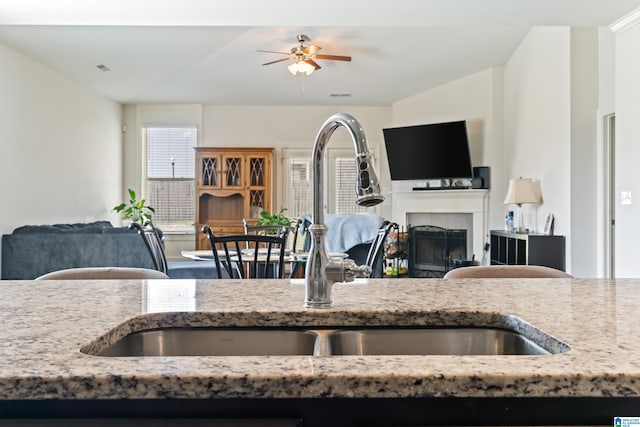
(340, 182)
(170, 176)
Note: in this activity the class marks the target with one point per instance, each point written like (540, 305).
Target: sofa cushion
(82, 228)
(118, 230)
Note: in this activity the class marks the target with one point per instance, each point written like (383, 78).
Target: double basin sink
(213, 341)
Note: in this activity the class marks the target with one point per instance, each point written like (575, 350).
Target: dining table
(297, 260)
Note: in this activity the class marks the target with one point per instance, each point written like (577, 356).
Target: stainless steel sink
(330, 342)
(435, 341)
(213, 342)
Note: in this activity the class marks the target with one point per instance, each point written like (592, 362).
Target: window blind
(170, 177)
(170, 152)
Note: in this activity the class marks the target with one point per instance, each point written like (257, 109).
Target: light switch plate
(625, 197)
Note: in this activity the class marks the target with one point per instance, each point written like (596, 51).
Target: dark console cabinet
(527, 249)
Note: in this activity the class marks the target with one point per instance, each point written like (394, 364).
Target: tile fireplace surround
(406, 205)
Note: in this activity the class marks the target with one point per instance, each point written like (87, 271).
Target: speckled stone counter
(45, 323)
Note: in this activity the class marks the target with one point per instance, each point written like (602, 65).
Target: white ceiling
(205, 51)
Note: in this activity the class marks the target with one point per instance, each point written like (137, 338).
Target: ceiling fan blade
(276, 61)
(313, 63)
(334, 57)
(311, 49)
(273, 51)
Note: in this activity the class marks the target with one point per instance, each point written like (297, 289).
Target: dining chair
(506, 271)
(104, 273)
(376, 255)
(248, 256)
(153, 242)
(290, 232)
(268, 230)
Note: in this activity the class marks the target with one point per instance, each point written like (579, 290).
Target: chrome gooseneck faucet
(321, 273)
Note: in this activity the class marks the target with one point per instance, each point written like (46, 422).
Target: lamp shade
(522, 190)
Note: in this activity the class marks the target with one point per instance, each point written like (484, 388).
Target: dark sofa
(33, 250)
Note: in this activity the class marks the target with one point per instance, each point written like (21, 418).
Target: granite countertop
(45, 323)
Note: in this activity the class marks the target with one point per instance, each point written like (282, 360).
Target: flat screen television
(432, 151)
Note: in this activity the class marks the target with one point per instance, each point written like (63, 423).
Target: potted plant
(135, 210)
(267, 218)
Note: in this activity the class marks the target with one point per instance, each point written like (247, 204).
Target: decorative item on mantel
(522, 190)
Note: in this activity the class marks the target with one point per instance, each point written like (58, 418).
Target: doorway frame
(609, 169)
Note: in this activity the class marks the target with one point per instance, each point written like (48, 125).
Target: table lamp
(521, 190)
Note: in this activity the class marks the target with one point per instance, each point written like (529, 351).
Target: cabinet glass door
(258, 167)
(232, 172)
(210, 170)
(257, 171)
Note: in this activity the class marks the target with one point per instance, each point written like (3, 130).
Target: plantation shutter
(345, 184)
(298, 186)
(340, 182)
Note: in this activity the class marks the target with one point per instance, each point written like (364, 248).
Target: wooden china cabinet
(232, 184)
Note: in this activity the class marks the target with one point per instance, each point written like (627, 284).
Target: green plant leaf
(136, 210)
(267, 218)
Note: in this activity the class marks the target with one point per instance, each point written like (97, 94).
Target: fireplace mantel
(404, 202)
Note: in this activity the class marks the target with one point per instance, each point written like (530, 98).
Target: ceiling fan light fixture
(301, 67)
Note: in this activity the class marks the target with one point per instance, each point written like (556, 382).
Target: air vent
(341, 95)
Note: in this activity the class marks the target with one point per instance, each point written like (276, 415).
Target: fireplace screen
(432, 250)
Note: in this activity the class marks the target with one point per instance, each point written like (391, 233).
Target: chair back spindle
(374, 257)
(153, 242)
(248, 256)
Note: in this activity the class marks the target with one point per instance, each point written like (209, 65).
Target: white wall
(60, 147)
(627, 99)
(537, 119)
(477, 98)
(585, 93)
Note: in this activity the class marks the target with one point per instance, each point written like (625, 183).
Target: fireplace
(432, 250)
(449, 209)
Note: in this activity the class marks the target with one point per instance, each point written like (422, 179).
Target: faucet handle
(352, 270)
(346, 270)
(364, 271)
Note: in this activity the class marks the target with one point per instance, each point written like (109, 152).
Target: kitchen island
(596, 377)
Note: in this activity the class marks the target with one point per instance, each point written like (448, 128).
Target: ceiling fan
(304, 57)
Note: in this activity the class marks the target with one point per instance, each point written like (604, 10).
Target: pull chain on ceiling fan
(304, 57)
